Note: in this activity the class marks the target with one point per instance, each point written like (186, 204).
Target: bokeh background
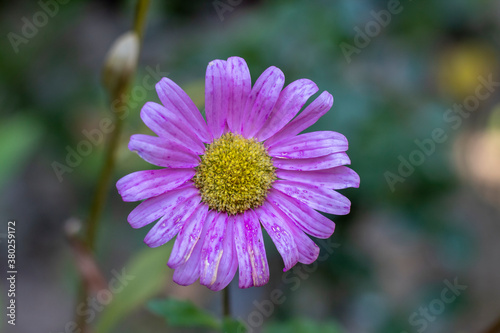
(394, 252)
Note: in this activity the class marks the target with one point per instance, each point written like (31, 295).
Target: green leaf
(150, 276)
(230, 325)
(183, 314)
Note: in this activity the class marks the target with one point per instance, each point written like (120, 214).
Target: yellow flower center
(235, 174)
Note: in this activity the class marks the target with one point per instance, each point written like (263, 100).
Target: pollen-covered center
(235, 174)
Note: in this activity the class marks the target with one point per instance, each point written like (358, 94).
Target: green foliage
(180, 313)
(150, 272)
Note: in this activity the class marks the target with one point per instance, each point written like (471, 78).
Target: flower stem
(226, 303)
(104, 181)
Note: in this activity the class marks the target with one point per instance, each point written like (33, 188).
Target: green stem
(104, 181)
(226, 303)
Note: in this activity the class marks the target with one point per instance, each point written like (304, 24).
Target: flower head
(245, 168)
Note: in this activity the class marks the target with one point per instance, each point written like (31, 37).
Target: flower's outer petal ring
(174, 98)
(152, 209)
(170, 224)
(317, 197)
(171, 126)
(306, 218)
(146, 184)
(213, 249)
(262, 100)
(216, 96)
(289, 103)
(229, 261)
(240, 85)
(188, 236)
(310, 145)
(308, 251)
(189, 272)
(335, 178)
(312, 164)
(280, 233)
(253, 266)
(162, 152)
(306, 118)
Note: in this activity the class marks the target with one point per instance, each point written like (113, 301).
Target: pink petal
(161, 152)
(309, 220)
(254, 270)
(229, 261)
(306, 118)
(240, 85)
(311, 164)
(172, 126)
(280, 233)
(189, 272)
(289, 103)
(175, 99)
(307, 250)
(334, 178)
(316, 197)
(152, 209)
(188, 236)
(172, 222)
(261, 100)
(310, 145)
(145, 184)
(212, 251)
(216, 96)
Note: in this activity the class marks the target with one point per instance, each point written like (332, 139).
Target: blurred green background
(404, 240)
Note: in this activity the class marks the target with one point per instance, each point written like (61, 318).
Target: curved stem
(104, 181)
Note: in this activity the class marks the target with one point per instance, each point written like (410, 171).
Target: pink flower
(245, 167)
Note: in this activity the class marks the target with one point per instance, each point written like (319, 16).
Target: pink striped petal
(172, 222)
(189, 272)
(310, 145)
(262, 100)
(334, 178)
(161, 152)
(171, 126)
(307, 250)
(280, 233)
(240, 86)
(306, 118)
(253, 267)
(229, 262)
(306, 218)
(216, 96)
(289, 103)
(213, 249)
(174, 98)
(152, 209)
(316, 197)
(188, 236)
(311, 164)
(145, 184)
